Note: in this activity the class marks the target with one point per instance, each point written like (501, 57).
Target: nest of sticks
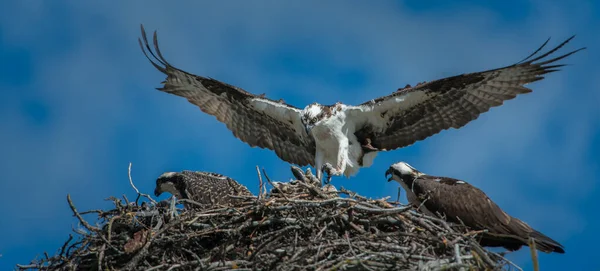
(305, 228)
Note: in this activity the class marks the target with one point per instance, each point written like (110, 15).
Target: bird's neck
(409, 180)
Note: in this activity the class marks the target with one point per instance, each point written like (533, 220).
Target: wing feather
(258, 121)
(459, 201)
(415, 113)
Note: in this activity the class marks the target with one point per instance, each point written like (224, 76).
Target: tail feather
(516, 235)
(545, 243)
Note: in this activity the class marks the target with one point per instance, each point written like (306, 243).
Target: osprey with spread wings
(339, 138)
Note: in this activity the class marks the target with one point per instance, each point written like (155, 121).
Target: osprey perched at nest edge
(459, 202)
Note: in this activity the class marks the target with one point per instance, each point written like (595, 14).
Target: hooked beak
(390, 171)
(157, 192)
(307, 128)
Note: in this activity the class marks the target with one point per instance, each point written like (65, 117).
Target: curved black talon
(328, 169)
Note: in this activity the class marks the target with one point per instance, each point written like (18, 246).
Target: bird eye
(314, 119)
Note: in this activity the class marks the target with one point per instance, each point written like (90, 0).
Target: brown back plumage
(207, 189)
(460, 202)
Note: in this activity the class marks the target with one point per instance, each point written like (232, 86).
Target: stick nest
(305, 228)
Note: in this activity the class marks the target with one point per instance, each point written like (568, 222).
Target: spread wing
(253, 119)
(415, 113)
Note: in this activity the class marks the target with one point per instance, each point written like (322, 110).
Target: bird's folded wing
(461, 202)
(253, 119)
(415, 113)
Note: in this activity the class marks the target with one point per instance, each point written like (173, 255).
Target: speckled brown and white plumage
(206, 188)
(415, 113)
(344, 136)
(459, 202)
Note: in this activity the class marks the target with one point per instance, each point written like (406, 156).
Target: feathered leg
(319, 157)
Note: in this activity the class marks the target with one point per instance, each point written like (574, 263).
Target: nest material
(304, 228)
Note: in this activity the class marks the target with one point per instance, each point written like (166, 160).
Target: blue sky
(77, 103)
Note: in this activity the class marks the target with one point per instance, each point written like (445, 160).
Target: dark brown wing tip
(535, 52)
(528, 59)
(560, 250)
(549, 247)
(159, 61)
(546, 244)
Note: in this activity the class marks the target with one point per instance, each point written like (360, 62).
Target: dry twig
(534, 256)
(136, 190)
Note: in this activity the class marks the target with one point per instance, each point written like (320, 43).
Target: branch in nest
(136, 190)
(301, 231)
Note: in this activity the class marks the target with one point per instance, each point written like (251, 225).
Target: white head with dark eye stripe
(402, 171)
(312, 115)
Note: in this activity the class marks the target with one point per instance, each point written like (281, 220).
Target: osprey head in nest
(459, 202)
(343, 138)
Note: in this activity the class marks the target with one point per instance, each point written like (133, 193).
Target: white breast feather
(314, 111)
